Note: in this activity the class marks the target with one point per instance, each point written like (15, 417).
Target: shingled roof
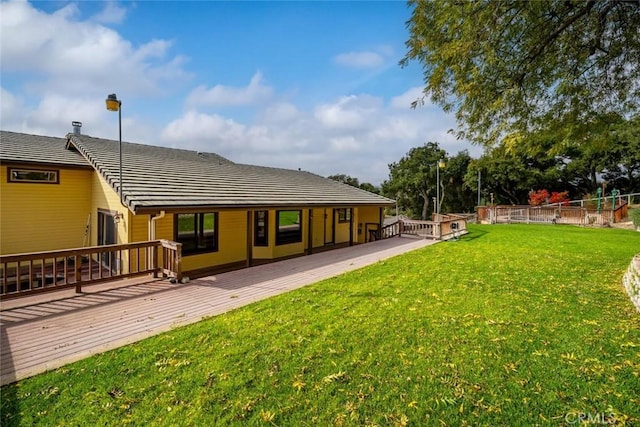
(160, 178)
(39, 150)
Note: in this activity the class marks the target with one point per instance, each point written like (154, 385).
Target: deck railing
(552, 214)
(29, 273)
(389, 230)
(443, 227)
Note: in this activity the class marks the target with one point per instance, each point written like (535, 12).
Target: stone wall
(631, 281)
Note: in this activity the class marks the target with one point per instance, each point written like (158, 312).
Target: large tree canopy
(413, 181)
(512, 67)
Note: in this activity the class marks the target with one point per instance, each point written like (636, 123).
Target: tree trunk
(594, 179)
(425, 205)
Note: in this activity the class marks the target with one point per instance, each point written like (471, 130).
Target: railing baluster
(67, 269)
(55, 271)
(4, 278)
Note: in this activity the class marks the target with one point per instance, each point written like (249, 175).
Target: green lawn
(288, 218)
(513, 325)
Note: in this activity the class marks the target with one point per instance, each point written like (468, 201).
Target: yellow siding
(40, 217)
(318, 227)
(232, 243)
(342, 232)
(105, 198)
(164, 227)
(367, 215)
(329, 222)
(139, 230)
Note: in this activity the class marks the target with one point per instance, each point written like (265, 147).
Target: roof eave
(153, 209)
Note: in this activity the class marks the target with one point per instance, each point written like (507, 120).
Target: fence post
(78, 273)
(154, 257)
(178, 261)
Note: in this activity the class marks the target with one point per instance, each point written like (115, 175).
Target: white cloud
(345, 144)
(12, 110)
(280, 112)
(349, 112)
(357, 135)
(359, 59)
(203, 131)
(404, 100)
(81, 57)
(111, 14)
(254, 93)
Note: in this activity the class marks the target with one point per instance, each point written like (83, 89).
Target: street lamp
(114, 104)
(438, 166)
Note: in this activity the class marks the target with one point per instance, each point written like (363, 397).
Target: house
(60, 193)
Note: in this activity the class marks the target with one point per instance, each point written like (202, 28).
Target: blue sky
(310, 85)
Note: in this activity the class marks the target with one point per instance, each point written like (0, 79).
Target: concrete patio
(46, 331)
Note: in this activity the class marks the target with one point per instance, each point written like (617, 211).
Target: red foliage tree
(561, 198)
(536, 198)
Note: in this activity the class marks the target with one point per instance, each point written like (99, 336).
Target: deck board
(46, 331)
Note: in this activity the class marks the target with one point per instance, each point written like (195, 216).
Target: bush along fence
(631, 281)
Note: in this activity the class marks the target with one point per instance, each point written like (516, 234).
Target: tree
(412, 180)
(367, 186)
(456, 196)
(622, 169)
(540, 197)
(354, 182)
(513, 67)
(345, 179)
(510, 173)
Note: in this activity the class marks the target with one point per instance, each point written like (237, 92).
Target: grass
(513, 325)
(288, 218)
(187, 222)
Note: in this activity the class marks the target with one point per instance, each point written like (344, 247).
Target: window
(32, 175)
(261, 237)
(289, 227)
(198, 232)
(344, 215)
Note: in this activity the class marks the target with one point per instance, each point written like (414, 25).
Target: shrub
(536, 198)
(562, 197)
(635, 217)
(539, 197)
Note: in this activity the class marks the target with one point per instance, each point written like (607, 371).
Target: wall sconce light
(118, 217)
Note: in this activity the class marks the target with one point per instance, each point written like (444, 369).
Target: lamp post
(114, 104)
(438, 166)
(479, 182)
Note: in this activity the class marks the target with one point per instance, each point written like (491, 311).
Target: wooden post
(249, 238)
(78, 273)
(310, 232)
(350, 226)
(154, 255)
(178, 262)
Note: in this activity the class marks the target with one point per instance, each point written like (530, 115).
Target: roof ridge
(149, 146)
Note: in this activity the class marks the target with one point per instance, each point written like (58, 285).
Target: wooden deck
(46, 331)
